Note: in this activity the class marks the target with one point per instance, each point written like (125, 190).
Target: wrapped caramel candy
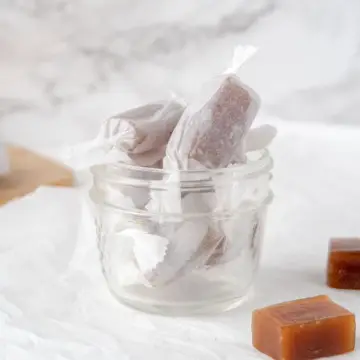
(143, 132)
(212, 129)
(137, 136)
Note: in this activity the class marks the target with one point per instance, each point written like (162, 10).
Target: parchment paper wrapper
(137, 136)
(142, 133)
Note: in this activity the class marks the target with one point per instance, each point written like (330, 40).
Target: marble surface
(66, 65)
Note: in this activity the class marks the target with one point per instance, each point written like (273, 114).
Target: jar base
(188, 309)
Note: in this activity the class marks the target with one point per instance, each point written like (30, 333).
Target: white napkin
(77, 314)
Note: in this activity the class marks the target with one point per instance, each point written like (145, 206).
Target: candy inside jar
(183, 234)
(201, 259)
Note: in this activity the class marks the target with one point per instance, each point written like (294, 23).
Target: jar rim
(258, 162)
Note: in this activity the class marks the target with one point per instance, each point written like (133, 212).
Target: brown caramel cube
(343, 270)
(303, 329)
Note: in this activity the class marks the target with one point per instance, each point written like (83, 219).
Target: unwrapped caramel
(343, 270)
(303, 329)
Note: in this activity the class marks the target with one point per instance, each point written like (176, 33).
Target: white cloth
(54, 303)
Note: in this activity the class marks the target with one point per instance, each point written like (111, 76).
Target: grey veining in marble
(57, 53)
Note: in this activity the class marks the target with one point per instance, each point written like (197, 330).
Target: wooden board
(28, 171)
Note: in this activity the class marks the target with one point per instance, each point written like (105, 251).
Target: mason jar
(181, 242)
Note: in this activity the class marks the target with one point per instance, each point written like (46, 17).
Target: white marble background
(65, 65)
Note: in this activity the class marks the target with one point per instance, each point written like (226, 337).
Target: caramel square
(343, 269)
(308, 328)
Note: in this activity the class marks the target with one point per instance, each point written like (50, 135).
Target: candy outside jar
(181, 242)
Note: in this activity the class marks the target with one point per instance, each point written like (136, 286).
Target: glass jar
(181, 242)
